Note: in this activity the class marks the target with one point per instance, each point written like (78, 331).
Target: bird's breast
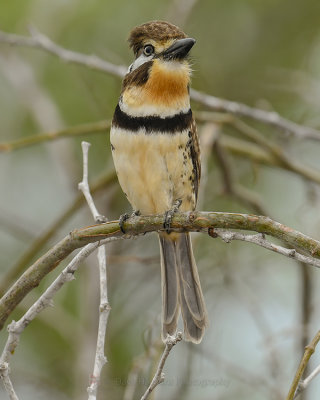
(164, 93)
(153, 169)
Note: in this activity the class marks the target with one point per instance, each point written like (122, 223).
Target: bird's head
(159, 40)
(160, 73)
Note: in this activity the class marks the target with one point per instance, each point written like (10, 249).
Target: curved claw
(122, 220)
(126, 216)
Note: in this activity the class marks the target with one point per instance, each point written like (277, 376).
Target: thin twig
(303, 384)
(40, 41)
(266, 117)
(307, 289)
(45, 300)
(84, 186)
(4, 375)
(79, 130)
(309, 350)
(282, 159)
(104, 307)
(159, 375)
(260, 240)
(267, 152)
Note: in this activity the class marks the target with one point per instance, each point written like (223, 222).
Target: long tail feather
(170, 285)
(181, 287)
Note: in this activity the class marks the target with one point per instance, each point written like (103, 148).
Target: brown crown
(159, 31)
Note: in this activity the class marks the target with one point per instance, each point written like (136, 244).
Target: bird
(156, 154)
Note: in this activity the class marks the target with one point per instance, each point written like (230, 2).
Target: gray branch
(38, 40)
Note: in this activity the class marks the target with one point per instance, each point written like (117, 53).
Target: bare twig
(306, 292)
(159, 375)
(304, 384)
(266, 117)
(39, 41)
(260, 240)
(16, 328)
(104, 308)
(282, 159)
(42, 42)
(4, 374)
(139, 225)
(84, 129)
(264, 151)
(84, 186)
(309, 350)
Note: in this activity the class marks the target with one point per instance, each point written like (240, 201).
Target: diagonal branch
(159, 375)
(79, 130)
(139, 225)
(303, 384)
(45, 300)
(309, 350)
(260, 240)
(266, 117)
(38, 40)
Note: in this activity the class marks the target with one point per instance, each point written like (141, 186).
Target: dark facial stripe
(177, 123)
(138, 77)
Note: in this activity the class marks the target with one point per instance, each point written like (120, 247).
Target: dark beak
(179, 49)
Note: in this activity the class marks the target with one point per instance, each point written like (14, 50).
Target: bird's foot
(126, 216)
(169, 215)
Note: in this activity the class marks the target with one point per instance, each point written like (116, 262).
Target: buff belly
(154, 169)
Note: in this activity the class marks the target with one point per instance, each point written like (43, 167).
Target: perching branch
(159, 375)
(189, 221)
(39, 41)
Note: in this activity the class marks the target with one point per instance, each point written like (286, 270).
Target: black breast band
(176, 123)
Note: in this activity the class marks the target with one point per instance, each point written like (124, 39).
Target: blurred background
(261, 306)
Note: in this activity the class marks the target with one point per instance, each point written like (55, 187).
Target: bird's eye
(148, 50)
